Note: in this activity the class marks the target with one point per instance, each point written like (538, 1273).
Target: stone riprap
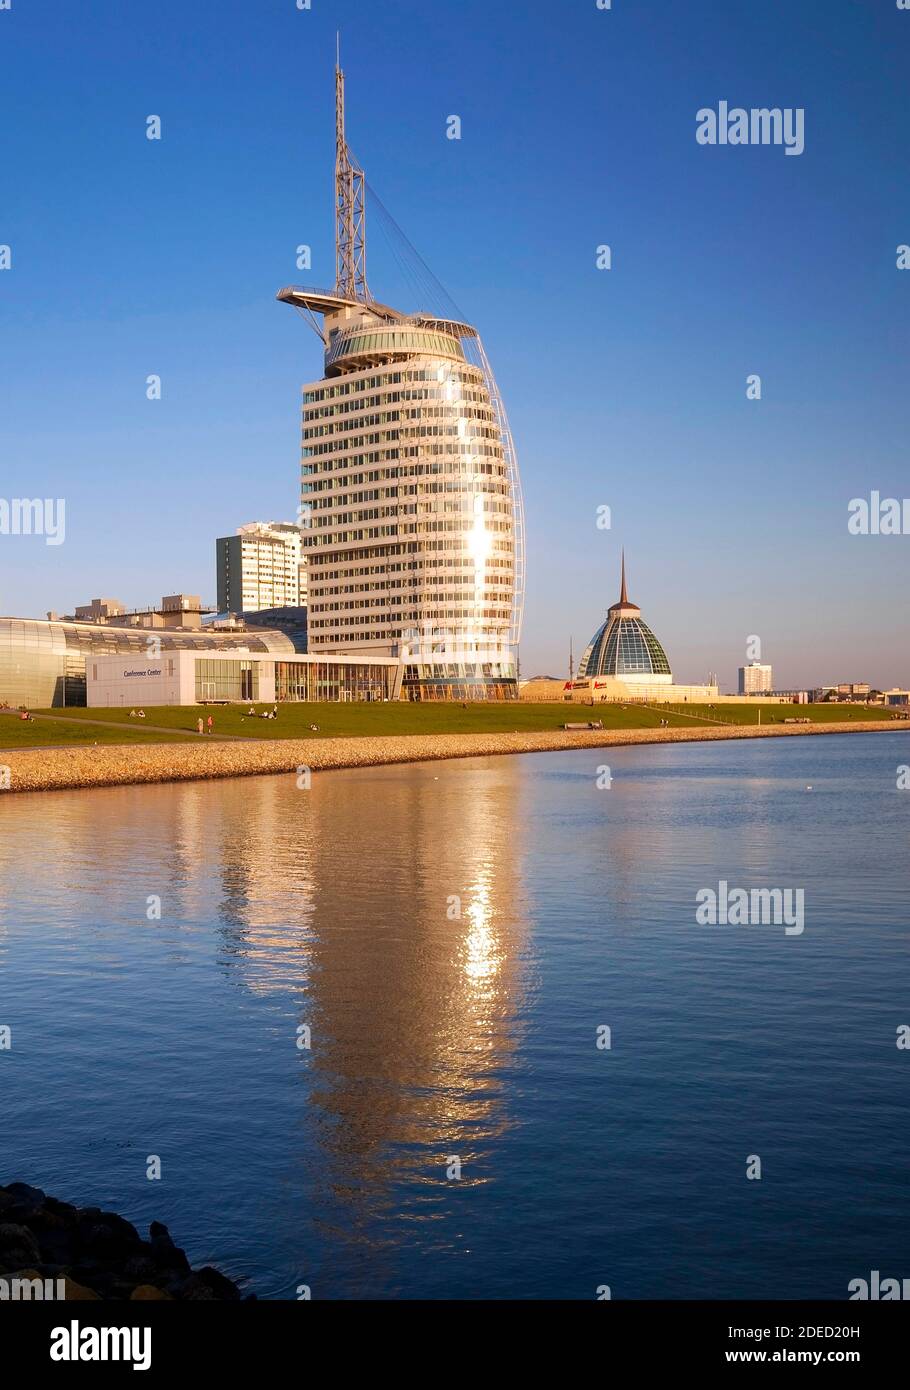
(52, 769)
(50, 1248)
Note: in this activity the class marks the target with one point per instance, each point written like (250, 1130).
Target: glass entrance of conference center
(226, 680)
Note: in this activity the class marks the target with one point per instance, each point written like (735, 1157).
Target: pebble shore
(56, 769)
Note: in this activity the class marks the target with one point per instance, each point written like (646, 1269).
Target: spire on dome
(623, 604)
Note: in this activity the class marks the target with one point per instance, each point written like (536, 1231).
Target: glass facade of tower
(408, 507)
(411, 515)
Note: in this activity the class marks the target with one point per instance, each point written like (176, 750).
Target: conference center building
(54, 664)
(43, 665)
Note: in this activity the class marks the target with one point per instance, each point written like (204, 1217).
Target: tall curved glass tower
(411, 512)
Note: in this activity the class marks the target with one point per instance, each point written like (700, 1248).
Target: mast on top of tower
(350, 222)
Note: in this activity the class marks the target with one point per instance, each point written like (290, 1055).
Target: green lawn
(776, 714)
(41, 733)
(106, 726)
(353, 720)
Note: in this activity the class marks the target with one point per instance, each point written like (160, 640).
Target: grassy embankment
(776, 714)
(358, 720)
(169, 723)
(69, 733)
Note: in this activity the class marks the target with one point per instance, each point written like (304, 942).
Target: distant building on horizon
(261, 567)
(854, 690)
(845, 692)
(755, 679)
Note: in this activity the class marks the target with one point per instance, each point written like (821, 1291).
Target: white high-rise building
(262, 566)
(411, 515)
(755, 679)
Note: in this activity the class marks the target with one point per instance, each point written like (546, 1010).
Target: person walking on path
(199, 724)
(210, 722)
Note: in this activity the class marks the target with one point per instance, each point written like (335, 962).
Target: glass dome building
(625, 648)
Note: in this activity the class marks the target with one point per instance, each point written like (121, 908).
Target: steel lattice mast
(350, 225)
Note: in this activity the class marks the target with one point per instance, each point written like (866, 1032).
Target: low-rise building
(186, 677)
(545, 688)
(43, 664)
(593, 689)
(845, 691)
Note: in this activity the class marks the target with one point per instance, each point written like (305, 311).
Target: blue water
(435, 1036)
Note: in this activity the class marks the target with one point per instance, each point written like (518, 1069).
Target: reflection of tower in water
(417, 1010)
(414, 1008)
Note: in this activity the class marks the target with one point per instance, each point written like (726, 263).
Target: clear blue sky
(625, 387)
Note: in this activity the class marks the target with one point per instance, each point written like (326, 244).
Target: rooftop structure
(99, 610)
(174, 611)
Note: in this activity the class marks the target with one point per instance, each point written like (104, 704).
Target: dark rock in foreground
(97, 1253)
